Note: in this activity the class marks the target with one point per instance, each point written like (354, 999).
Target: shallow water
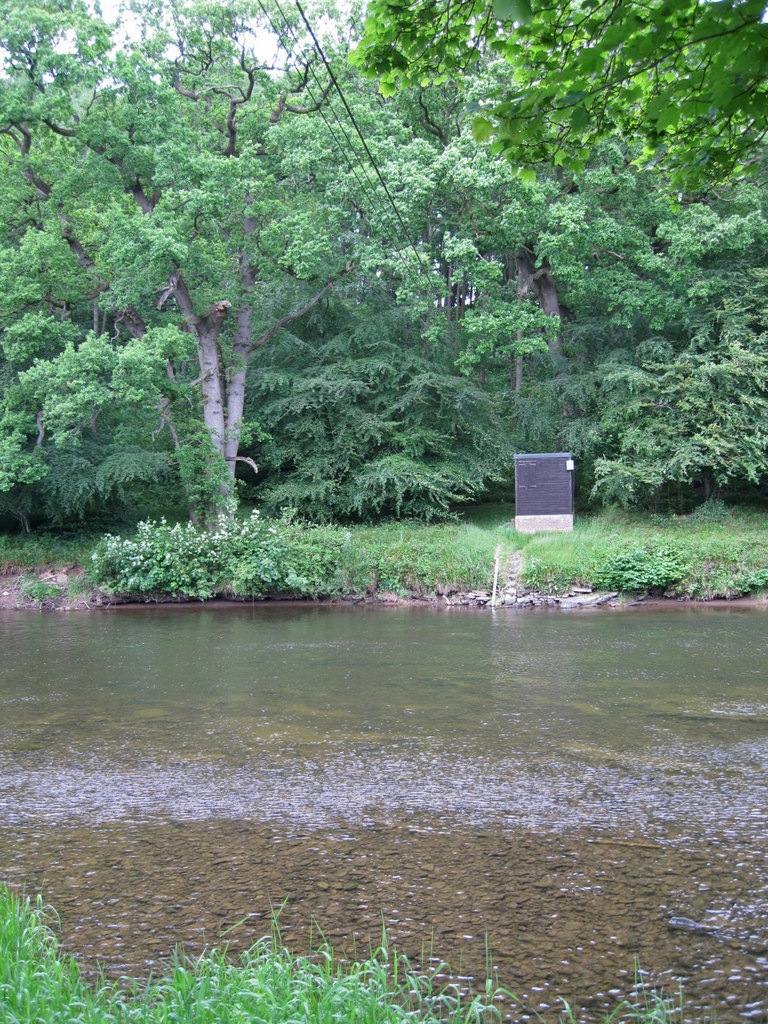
(552, 790)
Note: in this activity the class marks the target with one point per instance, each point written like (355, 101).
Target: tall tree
(697, 416)
(163, 179)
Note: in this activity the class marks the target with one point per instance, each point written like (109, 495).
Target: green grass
(20, 551)
(716, 552)
(255, 556)
(410, 558)
(696, 556)
(40, 984)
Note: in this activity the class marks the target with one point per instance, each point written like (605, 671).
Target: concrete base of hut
(542, 524)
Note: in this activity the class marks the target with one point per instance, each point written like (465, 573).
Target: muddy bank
(66, 590)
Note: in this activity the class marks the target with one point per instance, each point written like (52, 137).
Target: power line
(352, 118)
(362, 183)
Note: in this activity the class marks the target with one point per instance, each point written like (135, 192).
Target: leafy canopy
(689, 79)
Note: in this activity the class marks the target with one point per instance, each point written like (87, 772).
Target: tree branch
(289, 317)
(246, 459)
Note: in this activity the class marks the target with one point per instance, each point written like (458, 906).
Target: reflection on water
(569, 786)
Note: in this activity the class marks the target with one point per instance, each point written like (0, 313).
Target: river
(561, 798)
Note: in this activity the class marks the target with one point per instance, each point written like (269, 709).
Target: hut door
(526, 477)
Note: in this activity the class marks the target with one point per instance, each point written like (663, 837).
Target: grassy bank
(256, 557)
(714, 553)
(40, 984)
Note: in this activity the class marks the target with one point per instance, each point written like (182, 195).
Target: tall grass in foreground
(39, 984)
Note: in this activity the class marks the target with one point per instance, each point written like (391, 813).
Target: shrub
(159, 559)
(256, 556)
(641, 568)
(248, 557)
(713, 510)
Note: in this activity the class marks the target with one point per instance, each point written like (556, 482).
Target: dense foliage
(687, 78)
(209, 294)
(363, 424)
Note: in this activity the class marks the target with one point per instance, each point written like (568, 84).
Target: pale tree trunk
(241, 347)
(211, 383)
(222, 388)
(207, 329)
(236, 408)
(213, 391)
(540, 283)
(543, 285)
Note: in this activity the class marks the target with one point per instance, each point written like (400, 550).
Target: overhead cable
(352, 118)
(364, 184)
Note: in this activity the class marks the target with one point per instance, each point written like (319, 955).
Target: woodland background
(228, 279)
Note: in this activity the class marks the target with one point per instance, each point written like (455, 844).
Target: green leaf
(579, 118)
(513, 10)
(573, 97)
(482, 129)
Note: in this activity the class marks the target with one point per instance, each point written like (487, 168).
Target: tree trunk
(518, 375)
(223, 388)
(211, 384)
(235, 405)
(542, 284)
(238, 370)
(218, 485)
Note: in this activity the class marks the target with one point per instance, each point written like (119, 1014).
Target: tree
(698, 416)
(365, 425)
(688, 79)
(162, 187)
(169, 211)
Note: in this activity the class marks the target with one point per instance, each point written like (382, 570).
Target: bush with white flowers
(250, 556)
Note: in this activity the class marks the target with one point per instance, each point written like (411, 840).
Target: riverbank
(713, 555)
(42, 984)
(69, 591)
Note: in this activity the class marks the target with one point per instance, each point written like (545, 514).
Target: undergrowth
(255, 556)
(717, 552)
(21, 551)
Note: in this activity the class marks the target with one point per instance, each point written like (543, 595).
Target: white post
(495, 576)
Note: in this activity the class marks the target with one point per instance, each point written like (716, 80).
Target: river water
(561, 798)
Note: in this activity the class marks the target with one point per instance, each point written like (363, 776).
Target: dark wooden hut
(544, 492)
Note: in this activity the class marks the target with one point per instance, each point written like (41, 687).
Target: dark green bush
(641, 569)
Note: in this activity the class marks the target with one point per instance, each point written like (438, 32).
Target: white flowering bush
(246, 557)
(253, 557)
(159, 559)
